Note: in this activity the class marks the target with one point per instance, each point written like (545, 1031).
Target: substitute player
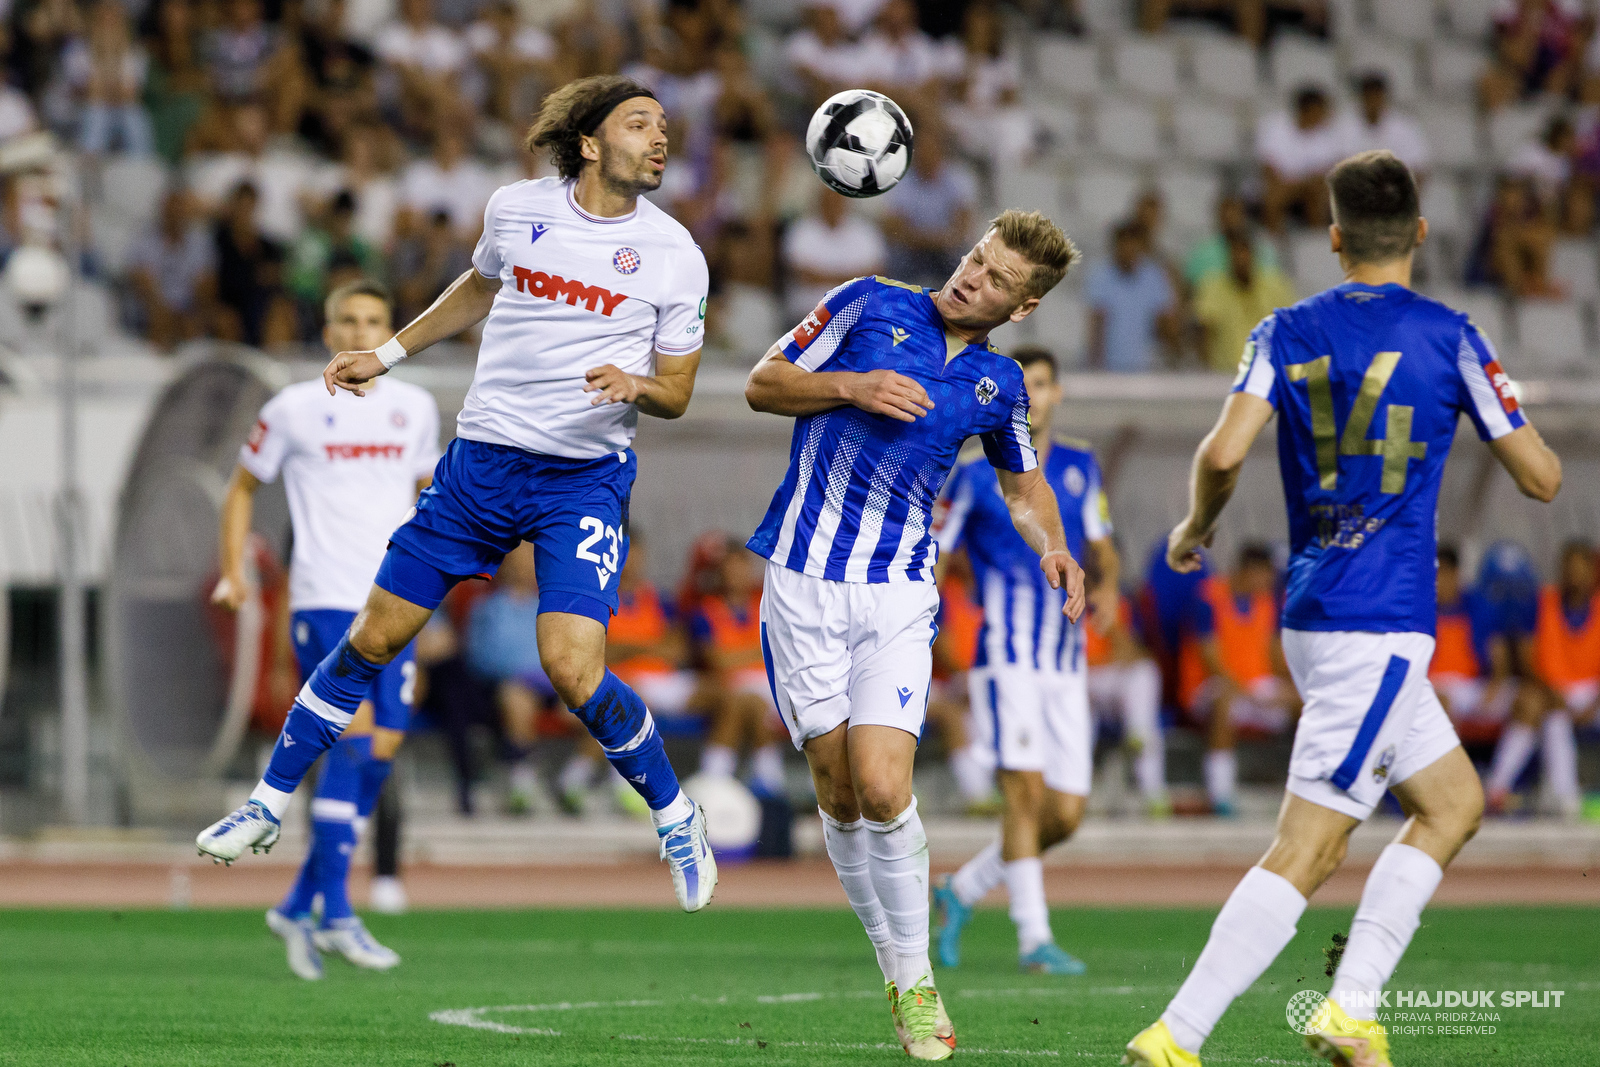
(885, 381)
(596, 311)
(1029, 686)
(1368, 380)
(351, 471)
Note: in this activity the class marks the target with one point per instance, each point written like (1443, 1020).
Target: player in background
(727, 628)
(1231, 669)
(595, 300)
(352, 472)
(1125, 682)
(960, 621)
(885, 382)
(1565, 657)
(1368, 381)
(1472, 666)
(645, 647)
(1029, 688)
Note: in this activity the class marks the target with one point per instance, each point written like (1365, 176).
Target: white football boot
(252, 827)
(300, 942)
(685, 847)
(350, 939)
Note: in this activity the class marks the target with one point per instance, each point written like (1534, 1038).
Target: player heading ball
(595, 301)
(1368, 380)
(885, 382)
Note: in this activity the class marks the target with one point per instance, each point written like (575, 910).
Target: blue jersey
(857, 501)
(1369, 383)
(1022, 620)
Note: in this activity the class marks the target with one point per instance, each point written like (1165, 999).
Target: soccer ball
(859, 142)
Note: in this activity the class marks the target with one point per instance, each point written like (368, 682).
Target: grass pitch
(123, 989)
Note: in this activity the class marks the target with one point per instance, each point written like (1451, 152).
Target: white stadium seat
(1060, 323)
(1062, 124)
(1146, 65)
(1551, 338)
(1206, 132)
(1454, 69)
(1295, 61)
(1510, 126)
(1315, 268)
(1484, 307)
(1226, 67)
(1105, 194)
(1190, 197)
(1035, 188)
(1574, 264)
(1406, 20)
(1128, 130)
(132, 187)
(1396, 59)
(1470, 18)
(1442, 207)
(1068, 65)
(1453, 136)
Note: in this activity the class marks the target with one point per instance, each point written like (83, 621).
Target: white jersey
(350, 468)
(577, 292)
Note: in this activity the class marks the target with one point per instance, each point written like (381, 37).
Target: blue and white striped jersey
(1022, 620)
(856, 503)
(1369, 383)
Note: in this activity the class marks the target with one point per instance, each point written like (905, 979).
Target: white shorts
(1033, 720)
(1370, 720)
(848, 651)
(1469, 698)
(667, 693)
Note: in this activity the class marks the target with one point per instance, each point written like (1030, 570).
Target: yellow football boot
(1156, 1047)
(1347, 1042)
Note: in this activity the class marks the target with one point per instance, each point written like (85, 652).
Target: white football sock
(1559, 752)
(677, 810)
(766, 769)
(846, 843)
(1222, 775)
(718, 761)
(274, 800)
(979, 875)
(897, 857)
(524, 778)
(1511, 755)
(1141, 710)
(1025, 883)
(974, 777)
(1399, 887)
(1253, 927)
(577, 774)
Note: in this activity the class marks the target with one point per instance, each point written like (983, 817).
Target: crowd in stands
(289, 145)
(1516, 666)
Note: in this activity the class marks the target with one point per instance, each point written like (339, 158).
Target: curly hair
(563, 113)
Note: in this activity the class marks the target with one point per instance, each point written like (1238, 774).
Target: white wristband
(391, 352)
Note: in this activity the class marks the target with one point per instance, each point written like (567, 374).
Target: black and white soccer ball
(859, 142)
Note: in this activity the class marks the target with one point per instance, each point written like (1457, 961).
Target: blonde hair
(1039, 241)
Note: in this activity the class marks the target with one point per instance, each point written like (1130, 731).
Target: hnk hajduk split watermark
(1419, 1011)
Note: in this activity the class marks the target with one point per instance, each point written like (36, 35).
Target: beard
(626, 173)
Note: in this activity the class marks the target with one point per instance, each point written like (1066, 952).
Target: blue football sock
(324, 707)
(334, 811)
(297, 905)
(336, 843)
(374, 773)
(618, 719)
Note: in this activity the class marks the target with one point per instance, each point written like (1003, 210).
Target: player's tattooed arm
(779, 387)
(665, 394)
(462, 305)
(1213, 476)
(233, 588)
(1037, 517)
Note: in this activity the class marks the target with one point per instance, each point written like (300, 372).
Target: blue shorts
(318, 631)
(485, 499)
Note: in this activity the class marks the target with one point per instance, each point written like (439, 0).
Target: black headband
(597, 112)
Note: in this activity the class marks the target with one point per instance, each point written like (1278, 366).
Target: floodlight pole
(69, 515)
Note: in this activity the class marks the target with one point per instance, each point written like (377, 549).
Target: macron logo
(905, 694)
(538, 232)
(288, 742)
(554, 287)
